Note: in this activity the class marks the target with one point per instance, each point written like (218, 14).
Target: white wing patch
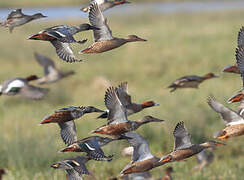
(15, 83)
(1, 87)
(99, 2)
(60, 34)
(89, 147)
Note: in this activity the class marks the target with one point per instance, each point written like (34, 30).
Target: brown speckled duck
(234, 121)
(22, 87)
(125, 99)
(190, 81)
(65, 118)
(183, 147)
(51, 73)
(75, 167)
(105, 4)
(118, 123)
(17, 18)
(104, 41)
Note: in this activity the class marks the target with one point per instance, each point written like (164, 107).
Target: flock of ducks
(117, 101)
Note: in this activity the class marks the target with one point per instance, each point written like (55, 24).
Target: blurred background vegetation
(178, 44)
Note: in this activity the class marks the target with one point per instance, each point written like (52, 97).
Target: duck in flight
(103, 38)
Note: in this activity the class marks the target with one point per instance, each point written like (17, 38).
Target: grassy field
(178, 45)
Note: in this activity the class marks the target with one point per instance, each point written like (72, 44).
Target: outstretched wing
(117, 113)
(17, 13)
(226, 114)
(240, 61)
(68, 132)
(122, 92)
(182, 137)
(96, 19)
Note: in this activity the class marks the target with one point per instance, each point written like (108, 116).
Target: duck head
(31, 78)
(133, 38)
(210, 75)
(147, 119)
(148, 104)
(212, 144)
(38, 16)
(236, 97)
(72, 148)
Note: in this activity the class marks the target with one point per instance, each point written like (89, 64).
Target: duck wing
(97, 19)
(240, 61)
(117, 112)
(226, 114)
(240, 38)
(68, 132)
(32, 92)
(182, 137)
(73, 175)
(45, 62)
(122, 92)
(61, 33)
(17, 13)
(141, 149)
(64, 51)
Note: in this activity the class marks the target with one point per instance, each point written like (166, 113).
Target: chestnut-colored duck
(65, 118)
(240, 44)
(104, 40)
(2, 172)
(60, 37)
(240, 63)
(142, 159)
(183, 147)
(118, 124)
(204, 158)
(17, 18)
(21, 86)
(51, 73)
(125, 99)
(92, 146)
(168, 172)
(234, 121)
(105, 4)
(75, 167)
(190, 81)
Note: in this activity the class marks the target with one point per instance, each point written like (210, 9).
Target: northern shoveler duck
(60, 37)
(190, 81)
(65, 118)
(203, 159)
(183, 147)
(105, 4)
(118, 123)
(168, 172)
(104, 41)
(234, 121)
(92, 146)
(75, 167)
(125, 99)
(142, 159)
(21, 86)
(51, 73)
(2, 172)
(240, 63)
(17, 18)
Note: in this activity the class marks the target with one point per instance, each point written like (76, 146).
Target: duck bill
(236, 98)
(121, 2)
(141, 39)
(35, 37)
(165, 160)
(220, 144)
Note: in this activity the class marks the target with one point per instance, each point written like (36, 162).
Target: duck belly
(182, 154)
(235, 130)
(114, 129)
(103, 46)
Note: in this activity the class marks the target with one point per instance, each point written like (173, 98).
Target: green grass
(178, 45)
